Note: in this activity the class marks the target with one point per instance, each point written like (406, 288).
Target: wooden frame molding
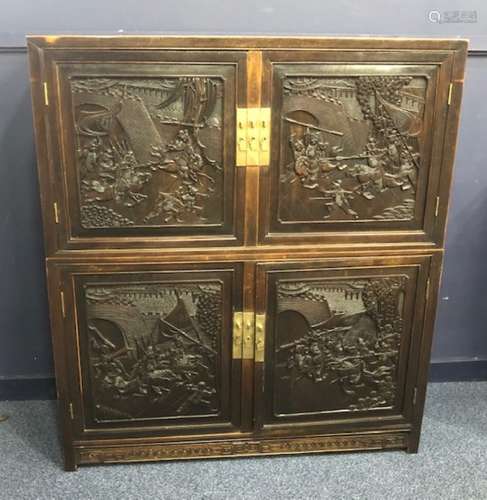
(211, 449)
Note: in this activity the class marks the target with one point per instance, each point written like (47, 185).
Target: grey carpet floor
(451, 464)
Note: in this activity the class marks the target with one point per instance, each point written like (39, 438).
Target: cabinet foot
(413, 444)
(70, 463)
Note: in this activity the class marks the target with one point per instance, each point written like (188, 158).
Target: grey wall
(462, 314)
(24, 332)
(24, 326)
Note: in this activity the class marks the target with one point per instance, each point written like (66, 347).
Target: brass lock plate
(253, 137)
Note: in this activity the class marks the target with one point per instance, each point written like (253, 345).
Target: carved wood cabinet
(244, 239)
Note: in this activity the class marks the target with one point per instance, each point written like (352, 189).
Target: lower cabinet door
(149, 350)
(341, 344)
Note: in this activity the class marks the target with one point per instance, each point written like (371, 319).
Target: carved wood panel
(351, 147)
(336, 341)
(148, 149)
(339, 339)
(156, 347)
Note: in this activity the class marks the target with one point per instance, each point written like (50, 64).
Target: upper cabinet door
(141, 147)
(359, 143)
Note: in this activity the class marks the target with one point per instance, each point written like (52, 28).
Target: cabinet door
(341, 343)
(357, 146)
(143, 147)
(150, 348)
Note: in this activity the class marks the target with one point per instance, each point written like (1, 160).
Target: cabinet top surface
(247, 42)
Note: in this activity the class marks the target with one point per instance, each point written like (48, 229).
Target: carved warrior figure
(121, 148)
(339, 197)
(387, 164)
(111, 173)
(311, 156)
(187, 164)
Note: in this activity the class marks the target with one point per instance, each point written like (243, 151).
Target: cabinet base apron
(241, 448)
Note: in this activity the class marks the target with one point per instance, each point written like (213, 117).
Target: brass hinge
(253, 137)
(259, 337)
(46, 95)
(71, 411)
(56, 212)
(63, 306)
(248, 335)
(450, 92)
(415, 395)
(237, 335)
(437, 207)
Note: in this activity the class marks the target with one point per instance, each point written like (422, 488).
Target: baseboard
(440, 371)
(19, 389)
(464, 370)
